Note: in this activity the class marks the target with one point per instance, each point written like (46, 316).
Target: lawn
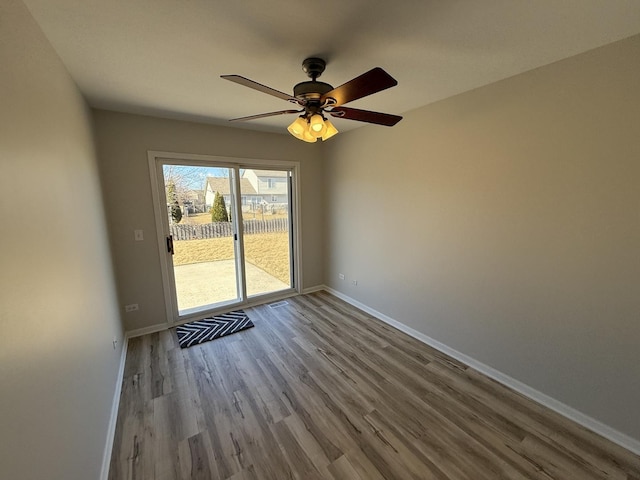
(268, 251)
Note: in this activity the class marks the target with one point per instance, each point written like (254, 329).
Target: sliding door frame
(156, 159)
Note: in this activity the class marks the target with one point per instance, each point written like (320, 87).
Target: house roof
(221, 184)
(197, 195)
(269, 173)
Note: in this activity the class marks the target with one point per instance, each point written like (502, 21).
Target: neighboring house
(271, 185)
(221, 184)
(193, 202)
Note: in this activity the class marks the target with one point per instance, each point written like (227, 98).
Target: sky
(193, 177)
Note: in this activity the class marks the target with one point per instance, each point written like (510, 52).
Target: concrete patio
(206, 283)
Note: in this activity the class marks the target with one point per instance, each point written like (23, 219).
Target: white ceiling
(165, 57)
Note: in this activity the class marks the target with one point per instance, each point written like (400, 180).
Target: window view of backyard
(199, 206)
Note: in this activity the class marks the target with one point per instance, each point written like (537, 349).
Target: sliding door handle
(170, 244)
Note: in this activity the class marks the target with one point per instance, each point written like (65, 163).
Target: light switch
(138, 235)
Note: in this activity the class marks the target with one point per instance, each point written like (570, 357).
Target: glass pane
(265, 214)
(204, 260)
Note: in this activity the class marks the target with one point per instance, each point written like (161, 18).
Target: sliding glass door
(226, 231)
(266, 230)
(202, 235)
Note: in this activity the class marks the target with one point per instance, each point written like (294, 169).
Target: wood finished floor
(321, 390)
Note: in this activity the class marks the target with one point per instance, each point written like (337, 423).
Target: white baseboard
(580, 418)
(111, 430)
(147, 330)
(316, 288)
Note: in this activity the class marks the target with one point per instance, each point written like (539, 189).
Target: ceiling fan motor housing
(311, 90)
(313, 67)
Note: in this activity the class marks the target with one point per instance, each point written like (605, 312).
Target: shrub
(176, 212)
(172, 200)
(219, 209)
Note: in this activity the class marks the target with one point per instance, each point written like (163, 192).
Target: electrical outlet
(131, 308)
(341, 276)
(138, 235)
(354, 282)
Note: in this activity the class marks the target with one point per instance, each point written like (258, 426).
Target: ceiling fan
(317, 98)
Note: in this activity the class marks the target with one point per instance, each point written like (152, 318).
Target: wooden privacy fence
(225, 229)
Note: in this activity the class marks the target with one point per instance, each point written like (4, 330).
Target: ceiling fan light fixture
(316, 123)
(330, 130)
(308, 137)
(317, 127)
(298, 127)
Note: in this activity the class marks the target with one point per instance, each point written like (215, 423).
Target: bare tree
(183, 178)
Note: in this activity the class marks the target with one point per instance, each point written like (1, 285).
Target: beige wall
(123, 141)
(505, 223)
(58, 307)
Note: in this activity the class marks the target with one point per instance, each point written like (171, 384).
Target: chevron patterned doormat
(211, 328)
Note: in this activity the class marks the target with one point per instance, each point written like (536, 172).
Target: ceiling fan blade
(263, 115)
(258, 86)
(365, 116)
(373, 81)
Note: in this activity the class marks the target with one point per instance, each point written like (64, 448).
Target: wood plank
(194, 458)
(342, 469)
